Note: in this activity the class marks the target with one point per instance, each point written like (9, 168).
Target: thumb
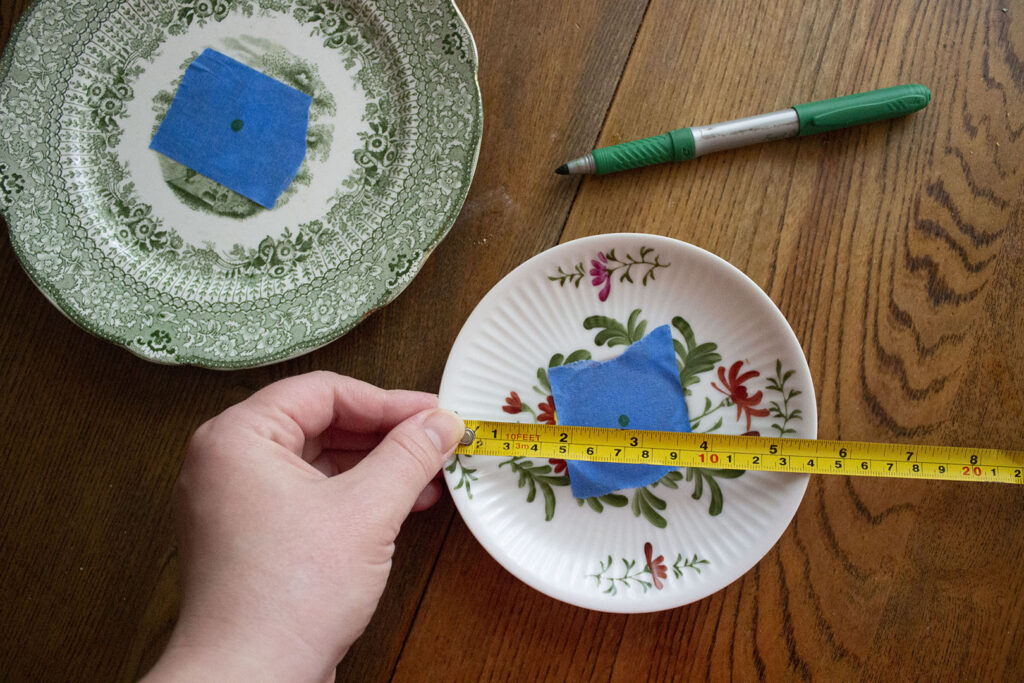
(407, 459)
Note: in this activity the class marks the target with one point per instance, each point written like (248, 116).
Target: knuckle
(325, 376)
(203, 440)
(420, 453)
(202, 450)
(202, 435)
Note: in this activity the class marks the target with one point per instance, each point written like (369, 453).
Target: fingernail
(444, 428)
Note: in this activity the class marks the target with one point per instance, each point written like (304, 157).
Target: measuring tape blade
(721, 451)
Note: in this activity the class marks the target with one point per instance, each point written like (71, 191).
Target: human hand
(289, 504)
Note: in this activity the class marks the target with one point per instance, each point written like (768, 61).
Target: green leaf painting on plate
(535, 477)
(647, 574)
(605, 267)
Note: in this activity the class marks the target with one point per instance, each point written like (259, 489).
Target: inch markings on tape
(721, 451)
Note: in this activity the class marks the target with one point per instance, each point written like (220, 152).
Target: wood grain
(895, 251)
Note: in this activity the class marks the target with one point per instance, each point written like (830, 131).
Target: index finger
(293, 410)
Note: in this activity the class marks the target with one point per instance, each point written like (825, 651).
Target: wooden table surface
(895, 251)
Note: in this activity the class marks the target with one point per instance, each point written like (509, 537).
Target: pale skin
(288, 505)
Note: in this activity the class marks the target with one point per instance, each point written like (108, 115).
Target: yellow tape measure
(719, 451)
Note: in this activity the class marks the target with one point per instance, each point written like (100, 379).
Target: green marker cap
(853, 110)
(676, 145)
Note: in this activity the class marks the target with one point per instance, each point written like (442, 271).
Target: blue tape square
(236, 126)
(640, 390)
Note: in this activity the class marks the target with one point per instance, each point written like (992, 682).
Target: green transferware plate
(178, 269)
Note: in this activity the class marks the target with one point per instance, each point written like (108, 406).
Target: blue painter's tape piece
(236, 126)
(639, 389)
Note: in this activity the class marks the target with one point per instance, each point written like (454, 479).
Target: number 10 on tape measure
(800, 456)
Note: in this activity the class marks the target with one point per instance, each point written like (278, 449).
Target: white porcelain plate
(178, 269)
(694, 531)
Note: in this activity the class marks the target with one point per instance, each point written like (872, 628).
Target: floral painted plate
(178, 269)
(695, 530)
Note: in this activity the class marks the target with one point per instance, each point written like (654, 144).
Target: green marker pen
(803, 119)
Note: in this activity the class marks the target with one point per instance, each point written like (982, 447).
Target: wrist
(192, 656)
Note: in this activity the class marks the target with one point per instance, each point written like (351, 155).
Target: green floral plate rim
(177, 269)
